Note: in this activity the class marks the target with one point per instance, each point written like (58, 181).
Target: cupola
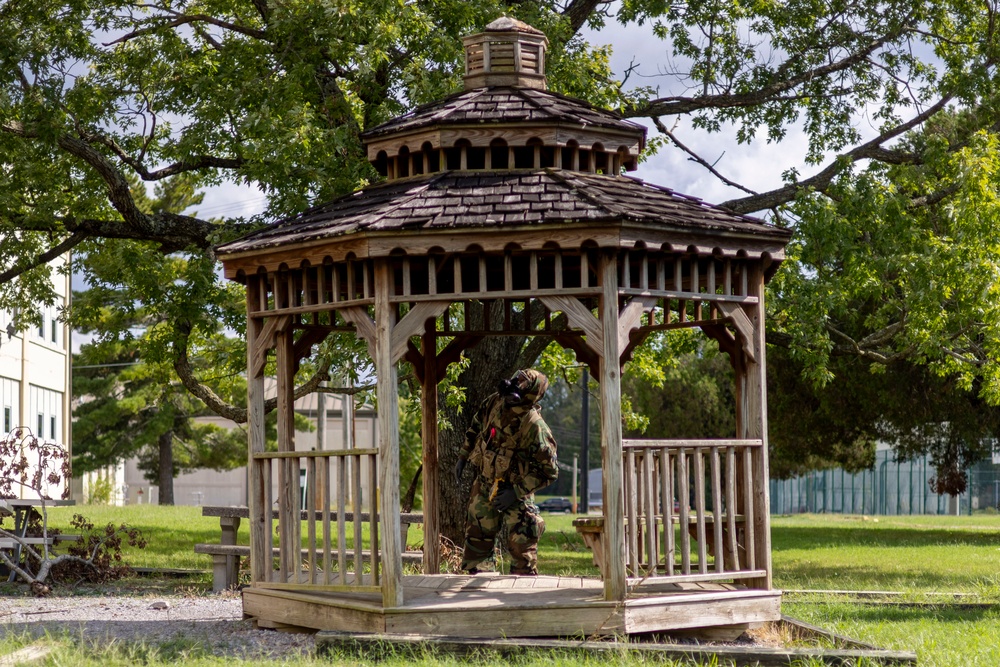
(507, 53)
(505, 119)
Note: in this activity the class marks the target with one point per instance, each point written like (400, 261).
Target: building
(35, 372)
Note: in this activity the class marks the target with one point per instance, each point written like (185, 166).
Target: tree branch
(578, 11)
(697, 158)
(668, 106)
(872, 150)
(26, 265)
(160, 23)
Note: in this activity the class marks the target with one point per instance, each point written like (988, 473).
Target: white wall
(35, 389)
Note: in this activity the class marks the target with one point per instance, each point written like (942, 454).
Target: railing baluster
(311, 525)
(358, 560)
(734, 559)
(648, 496)
(717, 511)
(342, 463)
(632, 528)
(699, 501)
(324, 471)
(667, 500)
(748, 513)
(682, 498)
(268, 506)
(374, 518)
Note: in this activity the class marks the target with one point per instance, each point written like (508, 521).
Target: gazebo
(504, 211)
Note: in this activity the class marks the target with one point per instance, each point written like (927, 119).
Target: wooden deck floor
(493, 605)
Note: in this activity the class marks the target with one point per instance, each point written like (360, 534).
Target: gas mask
(512, 390)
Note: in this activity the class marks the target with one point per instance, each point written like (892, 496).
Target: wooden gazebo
(503, 206)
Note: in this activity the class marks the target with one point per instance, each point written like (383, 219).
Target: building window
(52, 428)
(41, 328)
(7, 419)
(41, 426)
(54, 330)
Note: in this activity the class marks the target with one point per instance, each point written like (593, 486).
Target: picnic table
(20, 509)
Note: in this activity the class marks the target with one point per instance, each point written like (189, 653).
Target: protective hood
(533, 385)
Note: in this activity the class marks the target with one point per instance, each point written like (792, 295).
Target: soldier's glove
(505, 500)
(459, 469)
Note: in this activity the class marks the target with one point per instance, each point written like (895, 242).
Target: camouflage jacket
(513, 445)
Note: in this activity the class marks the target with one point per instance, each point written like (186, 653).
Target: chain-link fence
(891, 487)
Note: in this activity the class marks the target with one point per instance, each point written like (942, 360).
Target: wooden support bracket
(412, 324)
(579, 316)
(743, 325)
(358, 316)
(306, 341)
(266, 340)
(629, 320)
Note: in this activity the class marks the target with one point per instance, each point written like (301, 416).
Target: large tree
(275, 95)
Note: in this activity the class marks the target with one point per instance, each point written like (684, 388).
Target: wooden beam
(584, 353)
(429, 435)
(388, 423)
(453, 352)
(615, 586)
(724, 337)
(264, 341)
(415, 359)
(744, 326)
(309, 337)
(412, 324)
(358, 316)
(631, 316)
(580, 317)
(636, 338)
(260, 519)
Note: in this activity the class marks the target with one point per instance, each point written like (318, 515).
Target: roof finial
(507, 53)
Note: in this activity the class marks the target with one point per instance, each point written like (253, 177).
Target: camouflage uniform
(510, 447)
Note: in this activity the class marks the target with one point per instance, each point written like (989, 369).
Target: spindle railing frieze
(483, 275)
(705, 489)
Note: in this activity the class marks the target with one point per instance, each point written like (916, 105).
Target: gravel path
(214, 624)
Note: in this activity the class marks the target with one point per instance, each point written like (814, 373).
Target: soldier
(512, 449)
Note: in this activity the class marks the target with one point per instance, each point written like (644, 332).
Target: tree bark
(166, 480)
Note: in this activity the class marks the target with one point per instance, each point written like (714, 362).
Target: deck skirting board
(701, 611)
(465, 609)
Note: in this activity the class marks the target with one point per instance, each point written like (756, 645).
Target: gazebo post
(388, 446)
(756, 427)
(429, 435)
(611, 434)
(260, 524)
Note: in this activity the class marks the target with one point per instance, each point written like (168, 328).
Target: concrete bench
(226, 555)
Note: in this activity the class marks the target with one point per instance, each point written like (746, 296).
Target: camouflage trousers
(524, 527)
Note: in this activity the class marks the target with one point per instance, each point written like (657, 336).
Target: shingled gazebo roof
(508, 105)
(462, 200)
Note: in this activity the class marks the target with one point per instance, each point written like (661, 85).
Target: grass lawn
(927, 559)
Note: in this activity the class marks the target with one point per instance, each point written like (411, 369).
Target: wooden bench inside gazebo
(504, 211)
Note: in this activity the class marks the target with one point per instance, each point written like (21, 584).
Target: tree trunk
(166, 481)
(491, 360)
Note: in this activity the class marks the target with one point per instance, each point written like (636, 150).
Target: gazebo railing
(327, 558)
(688, 509)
